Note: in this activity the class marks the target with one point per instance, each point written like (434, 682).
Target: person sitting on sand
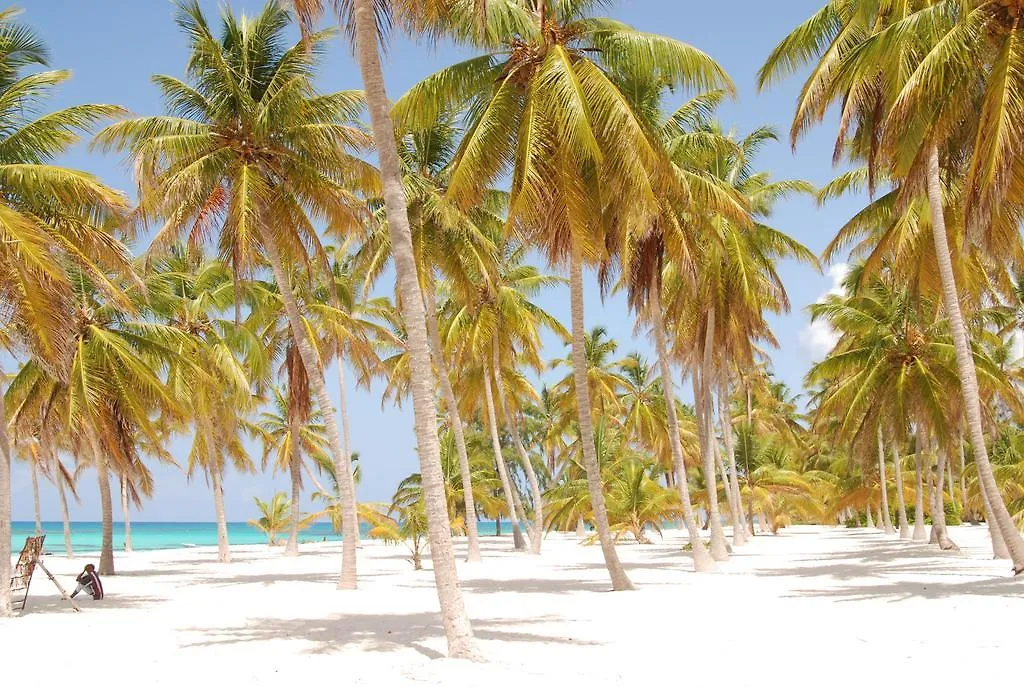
(89, 582)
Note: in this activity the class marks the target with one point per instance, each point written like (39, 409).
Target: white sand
(812, 606)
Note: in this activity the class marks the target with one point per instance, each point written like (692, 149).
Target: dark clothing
(89, 582)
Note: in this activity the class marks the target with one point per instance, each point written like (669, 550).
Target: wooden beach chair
(21, 579)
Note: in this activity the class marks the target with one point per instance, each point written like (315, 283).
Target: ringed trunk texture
(458, 630)
(901, 506)
(884, 486)
(106, 503)
(620, 581)
(315, 375)
(126, 513)
(702, 398)
(454, 421)
(537, 531)
(5, 514)
(499, 462)
(965, 364)
(35, 497)
(739, 524)
(702, 560)
(919, 530)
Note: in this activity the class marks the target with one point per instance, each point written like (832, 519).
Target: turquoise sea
(148, 536)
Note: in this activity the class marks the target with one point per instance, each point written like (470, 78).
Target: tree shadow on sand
(369, 632)
(38, 605)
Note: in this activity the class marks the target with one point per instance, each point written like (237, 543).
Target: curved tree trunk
(999, 550)
(537, 531)
(295, 476)
(499, 462)
(5, 514)
(938, 509)
(315, 375)
(919, 530)
(702, 560)
(106, 502)
(126, 514)
(965, 365)
(35, 497)
(454, 421)
(901, 505)
(457, 628)
(739, 526)
(884, 485)
(620, 581)
(702, 398)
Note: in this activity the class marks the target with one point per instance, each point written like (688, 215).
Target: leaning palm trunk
(999, 550)
(919, 530)
(499, 461)
(702, 396)
(35, 497)
(702, 560)
(901, 505)
(58, 478)
(5, 514)
(457, 628)
(315, 375)
(883, 485)
(454, 421)
(620, 581)
(725, 421)
(295, 475)
(965, 364)
(537, 531)
(126, 514)
(106, 502)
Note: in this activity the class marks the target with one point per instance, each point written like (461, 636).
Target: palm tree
(362, 16)
(276, 517)
(255, 145)
(545, 108)
(52, 216)
(912, 81)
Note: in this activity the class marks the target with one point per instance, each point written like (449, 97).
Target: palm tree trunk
(35, 496)
(126, 515)
(746, 458)
(58, 479)
(216, 472)
(106, 502)
(620, 581)
(702, 560)
(537, 531)
(938, 507)
(499, 461)
(963, 479)
(901, 505)
(581, 529)
(5, 514)
(315, 375)
(454, 420)
(725, 422)
(919, 530)
(729, 501)
(702, 396)
(457, 628)
(999, 550)
(346, 434)
(965, 364)
(883, 485)
(295, 474)
(869, 520)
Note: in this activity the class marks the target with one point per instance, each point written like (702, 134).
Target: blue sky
(113, 47)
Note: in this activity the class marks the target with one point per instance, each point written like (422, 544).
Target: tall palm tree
(249, 144)
(540, 104)
(362, 17)
(51, 215)
(911, 80)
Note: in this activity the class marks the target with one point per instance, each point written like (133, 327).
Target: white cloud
(818, 338)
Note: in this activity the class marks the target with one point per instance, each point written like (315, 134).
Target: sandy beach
(813, 605)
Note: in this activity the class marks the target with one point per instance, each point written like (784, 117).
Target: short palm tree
(275, 517)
